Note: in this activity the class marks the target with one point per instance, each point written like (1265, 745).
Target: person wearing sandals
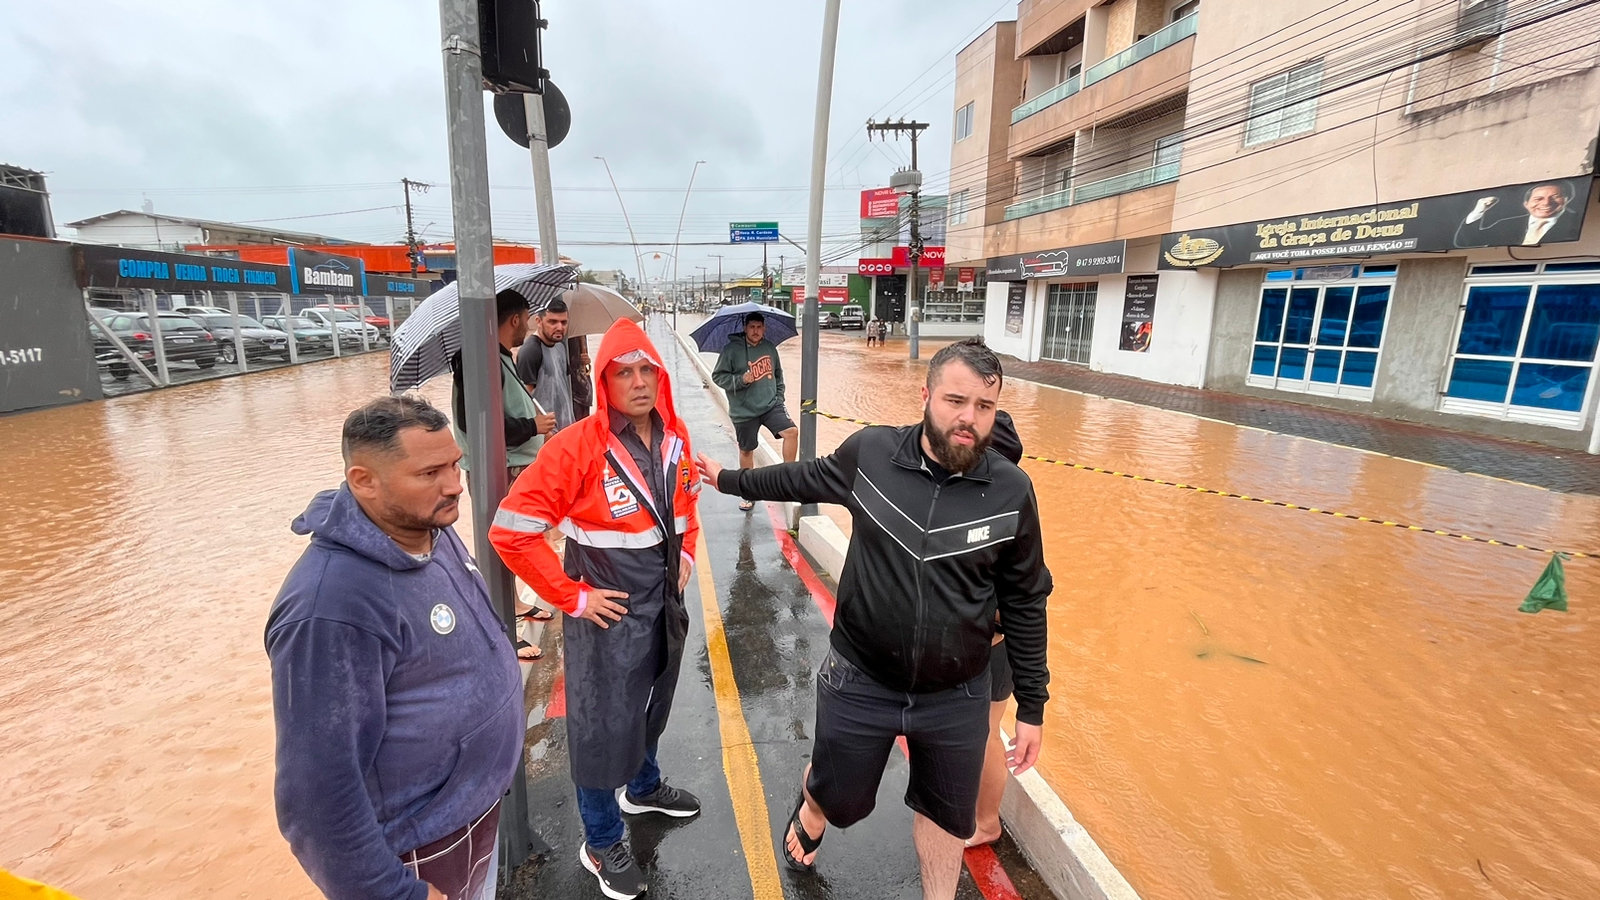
(749, 371)
(946, 535)
(620, 484)
(396, 697)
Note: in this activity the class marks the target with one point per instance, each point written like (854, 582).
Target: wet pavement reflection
(1259, 702)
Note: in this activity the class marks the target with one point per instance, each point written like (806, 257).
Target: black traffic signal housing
(509, 33)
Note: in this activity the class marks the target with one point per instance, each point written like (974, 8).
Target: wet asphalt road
(777, 638)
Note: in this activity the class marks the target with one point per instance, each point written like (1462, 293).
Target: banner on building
(1016, 305)
(1066, 262)
(1518, 215)
(936, 278)
(880, 203)
(175, 273)
(875, 266)
(932, 258)
(311, 272)
(966, 278)
(824, 294)
(401, 285)
(1138, 313)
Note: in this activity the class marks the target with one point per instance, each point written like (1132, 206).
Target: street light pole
(819, 170)
(692, 172)
(637, 259)
(480, 351)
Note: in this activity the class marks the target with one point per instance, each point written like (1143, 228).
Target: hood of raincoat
(336, 517)
(622, 338)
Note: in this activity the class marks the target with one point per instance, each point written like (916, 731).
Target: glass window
(1492, 322)
(1335, 317)
(1270, 325)
(1359, 368)
(1265, 361)
(1565, 323)
(1479, 379)
(1366, 325)
(1526, 347)
(958, 207)
(1292, 364)
(964, 121)
(1302, 311)
(1378, 271)
(1284, 105)
(1302, 334)
(1527, 269)
(1325, 366)
(1572, 267)
(1546, 386)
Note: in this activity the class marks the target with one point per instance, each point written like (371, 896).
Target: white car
(348, 324)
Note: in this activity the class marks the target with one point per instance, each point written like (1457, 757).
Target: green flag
(1550, 591)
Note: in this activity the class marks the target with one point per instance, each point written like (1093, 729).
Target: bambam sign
(1518, 215)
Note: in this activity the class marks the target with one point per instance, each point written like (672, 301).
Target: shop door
(890, 304)
(1069, 322)
(1320, 340)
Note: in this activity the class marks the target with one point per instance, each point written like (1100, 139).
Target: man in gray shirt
(548, 369)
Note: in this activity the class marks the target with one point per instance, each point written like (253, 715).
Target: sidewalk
(1566, 471)
(740, 732)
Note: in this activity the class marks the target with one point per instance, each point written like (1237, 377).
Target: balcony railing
(1096, 190)
(1111, 65)
(1049, 98)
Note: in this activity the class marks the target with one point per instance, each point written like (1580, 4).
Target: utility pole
(766, 280)
(819, 171)
(480, 350)
(908, 181)
(719, 277)
(408, 186)
(781, 276)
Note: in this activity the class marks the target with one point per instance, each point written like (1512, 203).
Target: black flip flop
(524, 645)
(537, 614)
(808, 844)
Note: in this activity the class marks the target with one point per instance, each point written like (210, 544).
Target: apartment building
(1377, 206)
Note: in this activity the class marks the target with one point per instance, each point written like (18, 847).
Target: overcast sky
(251, 110)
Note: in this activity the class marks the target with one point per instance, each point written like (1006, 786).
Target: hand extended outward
(1024, 749)
(709, 470)
(603, 607)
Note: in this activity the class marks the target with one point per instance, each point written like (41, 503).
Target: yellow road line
(738, 752)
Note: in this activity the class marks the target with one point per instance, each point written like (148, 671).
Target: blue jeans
(602, 818)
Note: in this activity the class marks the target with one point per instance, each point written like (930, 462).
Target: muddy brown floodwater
(1254, 702)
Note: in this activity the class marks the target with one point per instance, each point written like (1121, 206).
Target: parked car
(379, 322)
(106, 354)
(204, 310)
(831, 320)
(258, 339)
(182, 339)
(851, 317)
(347, 323)
(308, 335)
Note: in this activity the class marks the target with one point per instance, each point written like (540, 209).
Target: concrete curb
(766, 454)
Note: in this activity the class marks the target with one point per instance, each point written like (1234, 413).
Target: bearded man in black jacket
(946, 534)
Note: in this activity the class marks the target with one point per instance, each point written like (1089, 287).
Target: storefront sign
(1065, 263)
(932, 257)
(965, 279)
(824, 294)
(1518, 215)
(1138, 313)
(115, 267)
(311, 272)
(936, 278)
(875, 266)
(1016, 304)
(400, 285)
(880, 203)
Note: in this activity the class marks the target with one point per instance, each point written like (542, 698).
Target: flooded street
(1249, 701)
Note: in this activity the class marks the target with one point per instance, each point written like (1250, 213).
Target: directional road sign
(753, 232)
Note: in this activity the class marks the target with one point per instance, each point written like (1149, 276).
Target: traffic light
(508, 37)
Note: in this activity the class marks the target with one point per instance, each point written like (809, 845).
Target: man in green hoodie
(751, 374)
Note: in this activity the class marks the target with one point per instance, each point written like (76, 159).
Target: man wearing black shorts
(749, 372)
(946, 535)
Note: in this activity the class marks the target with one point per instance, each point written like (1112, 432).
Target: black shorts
(858, 720)
(748, 432)
(1001, 684)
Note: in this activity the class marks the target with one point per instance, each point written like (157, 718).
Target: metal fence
(293, 330)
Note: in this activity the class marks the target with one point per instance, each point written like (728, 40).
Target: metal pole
(151, 313)
(679, 298)
(637, 259)
(809, 336)
(361, 322)
(543, 192)
(480, 350)
(238, 333)
(338, 333)
(288, 327)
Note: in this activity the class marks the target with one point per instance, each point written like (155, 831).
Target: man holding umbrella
(749, 371)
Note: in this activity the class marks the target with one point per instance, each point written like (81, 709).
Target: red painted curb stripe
(985, 867)
(557, 707)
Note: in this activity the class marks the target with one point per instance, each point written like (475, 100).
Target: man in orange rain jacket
(622, 486)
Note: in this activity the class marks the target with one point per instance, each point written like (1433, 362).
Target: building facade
(1380, 207)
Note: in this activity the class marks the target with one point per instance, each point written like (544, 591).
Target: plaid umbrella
(423, 345)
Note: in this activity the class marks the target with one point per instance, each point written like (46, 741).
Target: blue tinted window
(1565, 322)
(1292, 364)
(1480, 379)
(1335, 316)
(1366, 323)
(1376, 271)
(1302, 311)
(1492, 323)
(1358, 368)
(1325, 366)
(1270, 323)
(1265, 361)
(1546, 386)
(1505, 270)
(1281, 275)
(1573, 267)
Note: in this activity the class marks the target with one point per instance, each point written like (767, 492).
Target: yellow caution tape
(1402, 526)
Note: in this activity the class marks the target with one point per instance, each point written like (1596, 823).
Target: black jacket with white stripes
(929, 563)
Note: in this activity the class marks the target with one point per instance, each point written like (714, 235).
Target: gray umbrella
(423, 345)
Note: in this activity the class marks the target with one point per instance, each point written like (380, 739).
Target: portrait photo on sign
(1523, 216)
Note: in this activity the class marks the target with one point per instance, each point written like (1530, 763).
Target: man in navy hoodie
(395, 688)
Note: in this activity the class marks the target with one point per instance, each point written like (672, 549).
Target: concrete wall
(42, 321)
(1233, 328)
(1180, 334)
(1022, 346)
(1422, 320)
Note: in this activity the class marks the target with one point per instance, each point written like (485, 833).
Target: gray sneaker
(666, 800)
(619, 875)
